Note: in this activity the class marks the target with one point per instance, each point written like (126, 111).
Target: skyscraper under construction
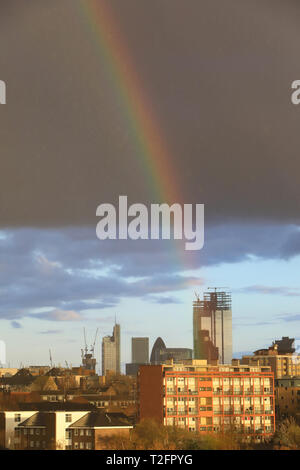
(212, 327)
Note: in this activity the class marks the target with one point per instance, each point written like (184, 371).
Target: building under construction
(212, 327)
(88, 356)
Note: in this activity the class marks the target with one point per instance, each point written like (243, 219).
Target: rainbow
(151, 149)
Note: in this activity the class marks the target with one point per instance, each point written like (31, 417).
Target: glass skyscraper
(111, 352)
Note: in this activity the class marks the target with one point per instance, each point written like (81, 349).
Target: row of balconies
(241, 411)
(219, 391)
(249, 391)
(229, 412)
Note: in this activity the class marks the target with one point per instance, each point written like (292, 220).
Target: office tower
(160, 353)
(158, 349)
(212, 327)
(111, 352)
(139, 350)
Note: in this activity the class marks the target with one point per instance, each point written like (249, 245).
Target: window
(88, 432)
(68, 418)
(17, 417)
(81, 445)
(37, 432)
(81, 432)
(25, 432)
(76, 445)
(75, 432)
(88, 445)
(31, 432)
(37, 444)
(31, 443)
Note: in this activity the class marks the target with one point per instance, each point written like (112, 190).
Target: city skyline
(195, 110)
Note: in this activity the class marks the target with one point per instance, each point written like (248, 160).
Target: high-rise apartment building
(139, 350)
(205, 398)
(212, 327)
(111, 352)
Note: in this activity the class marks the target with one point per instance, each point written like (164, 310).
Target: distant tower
(111, 356)
(212, 327)
(140, 350)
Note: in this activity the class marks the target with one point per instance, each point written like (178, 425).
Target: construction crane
(93, 345)
(85, 343)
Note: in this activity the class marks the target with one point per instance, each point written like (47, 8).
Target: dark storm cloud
(291, 247)
(218, 75)
(65, 275)
(45, 275)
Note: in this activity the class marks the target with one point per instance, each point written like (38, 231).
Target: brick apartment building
(206, 398)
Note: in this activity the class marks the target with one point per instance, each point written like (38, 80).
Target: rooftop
(97, 420)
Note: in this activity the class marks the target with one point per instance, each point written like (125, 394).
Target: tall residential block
(212, 327)
(205, 398)
(139, 350)
(111, 352)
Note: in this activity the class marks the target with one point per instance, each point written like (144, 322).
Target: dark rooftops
(36, 420)
(56, 406)
(97, 420)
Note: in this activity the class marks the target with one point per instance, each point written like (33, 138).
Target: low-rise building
(91, 431)
(59, 429)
